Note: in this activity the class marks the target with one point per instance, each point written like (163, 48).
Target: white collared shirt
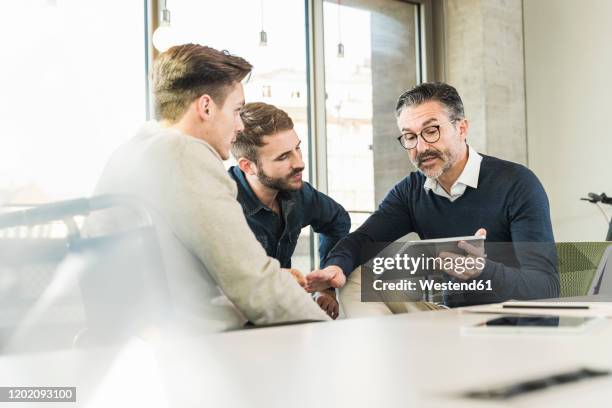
(469, 177)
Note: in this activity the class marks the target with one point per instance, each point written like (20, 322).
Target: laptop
(602, 281)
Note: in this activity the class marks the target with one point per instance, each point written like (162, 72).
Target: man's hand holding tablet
(472, 251)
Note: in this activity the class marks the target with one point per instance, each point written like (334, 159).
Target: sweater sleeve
(391, 221)
(200, 204)
(533, 245)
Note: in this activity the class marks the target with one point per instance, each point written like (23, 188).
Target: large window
(73, 88)
(279, 65)
(380, 42)
(371, 57)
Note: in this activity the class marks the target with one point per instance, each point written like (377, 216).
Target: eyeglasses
(430, 134)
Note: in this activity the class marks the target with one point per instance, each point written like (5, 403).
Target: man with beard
(456, 192)
(276, 202)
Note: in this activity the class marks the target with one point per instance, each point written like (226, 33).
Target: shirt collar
(249, 200)
(468, 177)
(471, 171)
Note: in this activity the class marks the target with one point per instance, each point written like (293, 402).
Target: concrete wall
(483, 52)
(535, 79)
(568, 65)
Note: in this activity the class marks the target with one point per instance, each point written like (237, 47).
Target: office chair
(578, 263)
(115, 281)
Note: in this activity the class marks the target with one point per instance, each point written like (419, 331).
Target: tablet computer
(425, 251)
(540, 324)
(443, 244)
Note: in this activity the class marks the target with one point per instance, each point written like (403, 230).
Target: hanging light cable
(263, 36)
(163, 35)
(340, 45)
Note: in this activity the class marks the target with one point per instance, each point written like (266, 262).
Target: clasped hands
(325, 297)
(321, 280)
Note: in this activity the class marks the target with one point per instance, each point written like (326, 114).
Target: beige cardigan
(218, 273)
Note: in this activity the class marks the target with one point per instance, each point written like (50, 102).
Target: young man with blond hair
(218, 274)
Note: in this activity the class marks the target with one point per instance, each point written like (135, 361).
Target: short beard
(281, 184)
(448, 157)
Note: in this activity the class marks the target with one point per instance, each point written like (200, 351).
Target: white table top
(419, 359)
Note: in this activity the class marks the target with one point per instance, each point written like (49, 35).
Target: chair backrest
(123, 284)
(579, 264)
(118, 278)
(28, 268)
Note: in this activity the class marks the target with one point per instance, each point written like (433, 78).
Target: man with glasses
(456, 192)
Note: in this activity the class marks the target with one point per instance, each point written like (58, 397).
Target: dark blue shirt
(510, 203)
(299, 209)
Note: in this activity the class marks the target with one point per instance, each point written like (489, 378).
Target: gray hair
(432, 91)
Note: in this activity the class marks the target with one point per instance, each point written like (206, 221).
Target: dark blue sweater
(510, 203)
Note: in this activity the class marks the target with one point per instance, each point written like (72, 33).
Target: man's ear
(463, 129)
(205, 107)
(247, 166)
